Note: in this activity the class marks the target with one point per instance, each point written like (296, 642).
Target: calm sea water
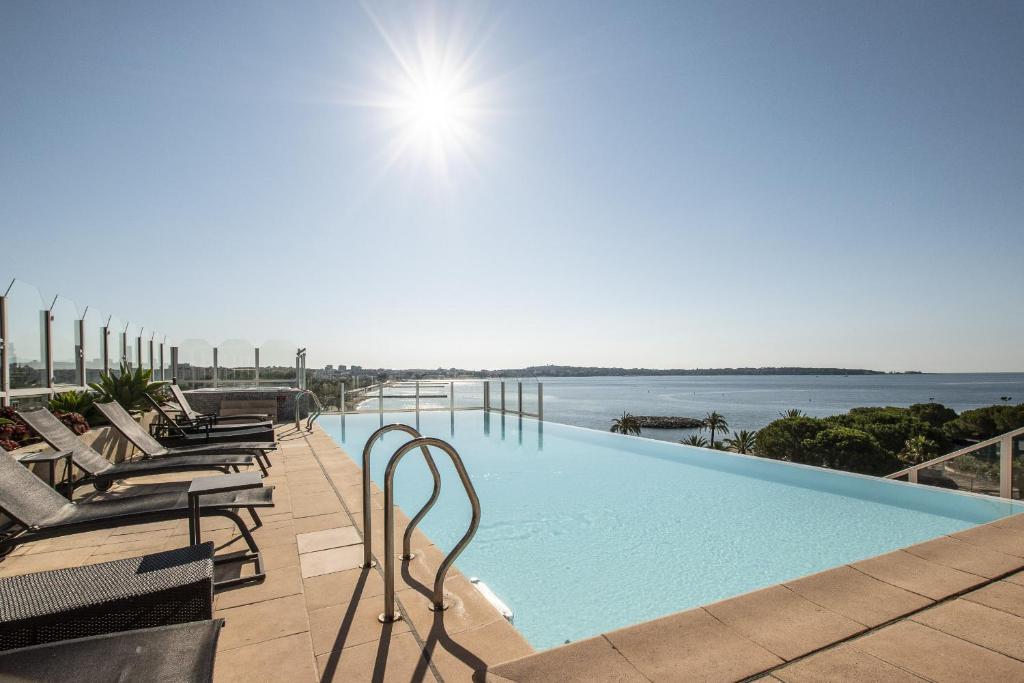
(747, 402)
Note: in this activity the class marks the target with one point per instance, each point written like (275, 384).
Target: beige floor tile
(981, 625)
(587, 661)
(339, 588)
(952, 552)
(328, 538)
(844, 663)
(857, 596)
(333, 560)
(998, 538)
(282, 659)
(348, 625)
(318, 522)
(465, 656)
(58, 559)
(279, 583)
(910, 572)
(263, 621)
(1001, 595)
(691, 644)
(467, 608)
(938, 656)
(396, 659)
(782, 622)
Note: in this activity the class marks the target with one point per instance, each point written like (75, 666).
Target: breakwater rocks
(668, 422)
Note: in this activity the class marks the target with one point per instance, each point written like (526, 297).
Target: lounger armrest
(54, 456)
(225, 483)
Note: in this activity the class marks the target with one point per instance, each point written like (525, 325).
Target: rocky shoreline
(667, 422)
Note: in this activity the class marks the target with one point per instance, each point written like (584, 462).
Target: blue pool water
(584, 531)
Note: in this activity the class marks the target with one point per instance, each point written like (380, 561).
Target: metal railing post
(417, 396)
(519, 398)
(151, 368)
(341, 397)
(451, 396)
(380, 397)
(502, 397)
(540, 400)
(5, 379)
(256, 365)
(163, 364)
(1006, 467)
(81, 353)
(48, 341)
(138, 350)
(215, 363)
(124, 347)
(174, 364)
(106, 350)
(487, 395)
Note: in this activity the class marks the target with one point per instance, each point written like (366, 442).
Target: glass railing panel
(195, 364)
(65, 343)
(974, 472)
(26, 349)
(277, 363)
(530, 396)
(236, 361)
(115, 343)
(92, 323)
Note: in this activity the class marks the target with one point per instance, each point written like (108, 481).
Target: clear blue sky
(608, 183)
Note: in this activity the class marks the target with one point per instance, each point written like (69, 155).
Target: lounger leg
(253, 554)
(255, 518)
(263, 468)
(234, 468)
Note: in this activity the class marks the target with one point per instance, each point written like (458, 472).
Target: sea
(746, 401)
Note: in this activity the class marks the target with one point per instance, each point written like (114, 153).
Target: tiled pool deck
(949, 609)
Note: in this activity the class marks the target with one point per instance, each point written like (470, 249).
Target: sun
(429, 98)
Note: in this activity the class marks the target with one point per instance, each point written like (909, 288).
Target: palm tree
(792, 412)
(742, 441)
(714, 422)
(627, 424)
(695, 440)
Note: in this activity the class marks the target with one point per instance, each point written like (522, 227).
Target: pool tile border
(796, 622)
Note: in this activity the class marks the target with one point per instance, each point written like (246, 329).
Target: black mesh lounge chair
(168, 587)
(172, 432)
(151, 448)
(192, 415)
(40, 512)
(101, 473)
(178, 653)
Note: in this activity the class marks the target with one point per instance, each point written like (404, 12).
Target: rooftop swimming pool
(583, 531)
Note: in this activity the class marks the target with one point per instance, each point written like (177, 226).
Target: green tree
(784, 439)
(713, 422)
(984, 423)
(627, 424)
(792, 412)
(934, 414)
(695, 440)
(918, 449)
(742, 441)
(853, 450)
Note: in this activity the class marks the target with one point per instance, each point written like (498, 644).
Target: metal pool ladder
(313, 415)
(424, 444)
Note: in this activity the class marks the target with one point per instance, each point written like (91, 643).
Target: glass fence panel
(26, 350)
(29, 402)
(236, 361)
(195, 364)
(131, 340)
(92, 323)
(530, 396)
(975, 472)
(469, 394)
(65, 343)
(277, 363)
(115, 344)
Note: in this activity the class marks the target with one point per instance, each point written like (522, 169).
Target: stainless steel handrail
(313, 415)
(437, 603)
(367, 518)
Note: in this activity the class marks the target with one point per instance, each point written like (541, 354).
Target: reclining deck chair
(174, 432)
(101, 473)
(165, 654)
(40, 512)
(151, 448)
(194, 416)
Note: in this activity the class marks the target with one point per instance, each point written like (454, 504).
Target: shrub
(80, 402)
(934, 414)
(73, 421)
(784, 439)
(853, 450)
(129, 388)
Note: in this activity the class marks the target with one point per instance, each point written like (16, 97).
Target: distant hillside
(578, 371)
